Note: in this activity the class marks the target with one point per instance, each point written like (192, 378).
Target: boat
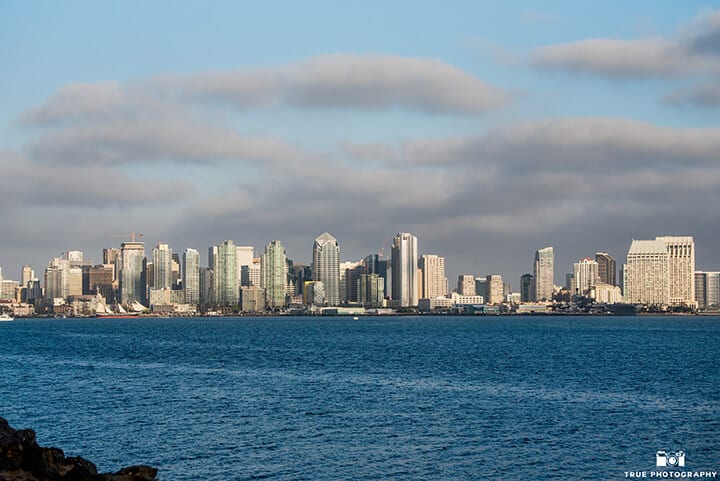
(5, 317)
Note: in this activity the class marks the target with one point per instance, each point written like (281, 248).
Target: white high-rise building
(132, 272)
(191, 276)
(494, 289)
(434, 282)
(162, 266)
(544, 272)
(646, 273)
(404, 269)
(585, 276)
(244, 257)
(326, 266)
(681, 269)
(466, 285)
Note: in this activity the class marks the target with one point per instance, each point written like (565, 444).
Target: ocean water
(423, 398)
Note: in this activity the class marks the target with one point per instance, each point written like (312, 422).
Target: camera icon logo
(670, 459)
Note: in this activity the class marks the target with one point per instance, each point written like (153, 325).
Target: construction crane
(131, 235)
(381, 252)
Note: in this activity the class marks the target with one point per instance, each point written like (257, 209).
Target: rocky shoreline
(21, 459)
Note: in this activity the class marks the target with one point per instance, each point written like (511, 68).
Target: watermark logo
(670, 459)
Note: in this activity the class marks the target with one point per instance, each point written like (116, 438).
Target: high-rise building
(646, 272)
(707, 290)
(274, 274)
(527, 288)
(175, 280)
(225, 277)
(132, 272)
(371, 289)
(74, 256)
(206, 281)
(349, 277)
(244, 258)
(466, 285)
(250, 275)
(404, 269)
(162, 266)
(681, 269)
(434, 282)
(494, 289)
(607, 268)
(100, 281)
(544, 273)
(585, 275)
(26, 275)
(326, 266)
(191, 276)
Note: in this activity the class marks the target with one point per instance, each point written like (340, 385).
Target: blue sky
(489, 129)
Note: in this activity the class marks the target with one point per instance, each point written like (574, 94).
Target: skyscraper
(647, 279)
(466, 285)
(527, 286)
(326, 266)
(404, 269)
(191, 276)
(681, 269)
(494, 289)
(225, 276)
(544, 273)
(162, 266)
(607, 268)
(132, 272)
(585, 275)
(273, 267)
(434, 282)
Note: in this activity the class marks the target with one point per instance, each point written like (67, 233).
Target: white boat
(6, 317)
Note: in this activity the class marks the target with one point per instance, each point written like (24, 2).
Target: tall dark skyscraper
(606, 268)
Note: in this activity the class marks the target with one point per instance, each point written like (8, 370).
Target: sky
(487, 129)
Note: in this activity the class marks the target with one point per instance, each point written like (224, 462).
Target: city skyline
(487, 130)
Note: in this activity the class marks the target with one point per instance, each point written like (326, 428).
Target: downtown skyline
(486, 130)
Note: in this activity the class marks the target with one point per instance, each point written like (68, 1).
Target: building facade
(274, 274)
(404, 269)
(434, 282)
(544, 273)
(326, 266)
(191, 276)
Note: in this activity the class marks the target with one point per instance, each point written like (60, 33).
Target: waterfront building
(191, 276)
(607, 268)
(225, 277)
(9, 290)
(350, 273)
(27, 274)
(371, 290)
(250, 275)
(646, 272)
(132, 272)
(314, 293)
(206, 281)
(162, 266)
(527, 286)
(605, 293)
(274, 274)
(585, 275)
(494, 289)
(326, 266)
(681, 269)
(175, 279)
(544, 273)
(707, 290)
(466, 285)
(404, 269)
(432, 269)
(252, 298)
(100, 281)
(245, 255)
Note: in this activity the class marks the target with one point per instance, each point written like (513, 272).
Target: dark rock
(21, 459)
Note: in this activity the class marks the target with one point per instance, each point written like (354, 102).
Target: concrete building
(404, 269)
(350, 273)
(647, 279)
(544, 273)
(707, 290)
(607, 268)
(605, 293)
(466, 285)
(433, 280)
(681, 269)
(585, 275)
(326, 266)
(252, 299)
(494, 289)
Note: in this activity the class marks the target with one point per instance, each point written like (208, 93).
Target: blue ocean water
(431, 398)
